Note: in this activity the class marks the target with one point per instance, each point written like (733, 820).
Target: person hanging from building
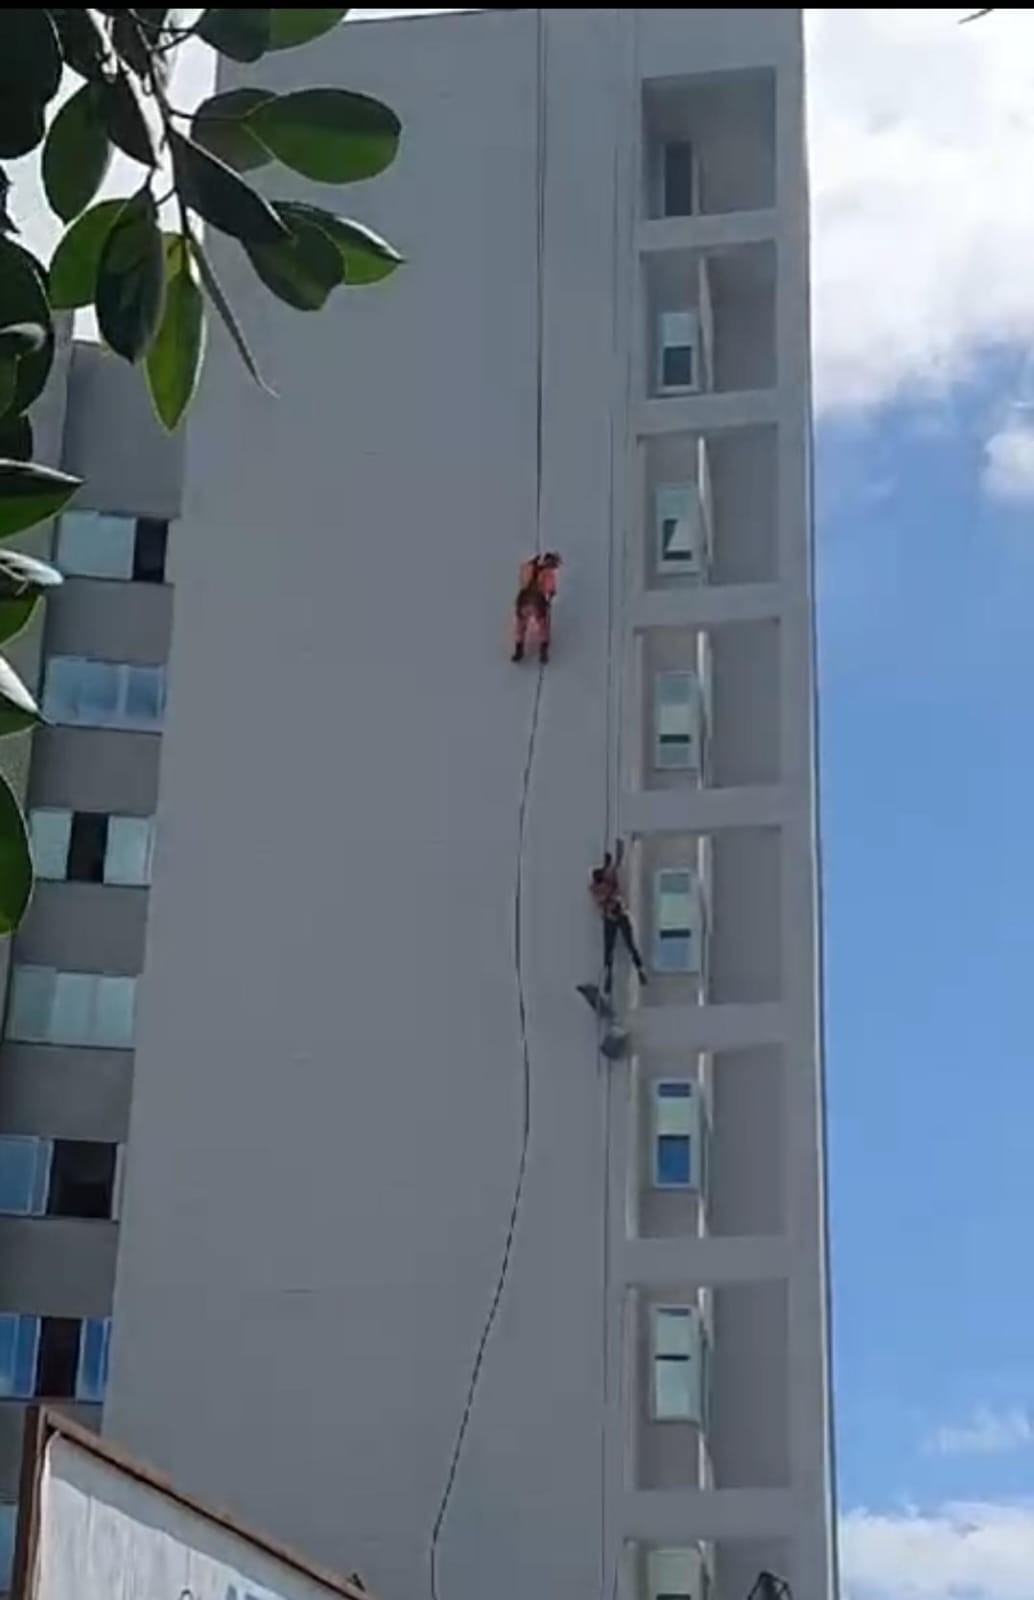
(537, 586)
(605, 888)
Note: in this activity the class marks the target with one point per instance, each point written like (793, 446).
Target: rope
(522, 1167)
(522, 816)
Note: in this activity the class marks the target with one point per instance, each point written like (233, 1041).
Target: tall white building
(599, 345)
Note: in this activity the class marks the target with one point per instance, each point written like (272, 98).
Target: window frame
(119, 721)
(695, 564)
(693, 706)
(93, 1042)
(131, 565)
(692, 1136)
(665, 344)
(39, 1192)
(690, 1314)
(690, 932)
(112, 820)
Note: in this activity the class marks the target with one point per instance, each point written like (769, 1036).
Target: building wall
(327, 1098)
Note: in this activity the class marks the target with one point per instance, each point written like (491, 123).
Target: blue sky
(922, 142)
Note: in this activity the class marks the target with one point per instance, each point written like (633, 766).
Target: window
(676, 722)
(53, 1358)
(679, 528)
(103, 694)
(92, 1371)
(677, 1575)
(82, 1179)
(57, 1178)
(676, 1130)
(80, 1008)
(101, 544)
(24, 1170)
(8, 1525)
(676, 922)
(677, 366)
(676, 1364)
(678, 172)
(92, 847)
(19, 1341)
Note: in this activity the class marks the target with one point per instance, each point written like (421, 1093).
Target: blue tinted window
(673, 1160)
(8, 1523)
(92, 1376)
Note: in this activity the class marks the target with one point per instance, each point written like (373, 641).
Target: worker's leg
(520, 629)
(543, 613)
(623, 925)
(610, 935)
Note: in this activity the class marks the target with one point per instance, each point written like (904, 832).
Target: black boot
(544, 653)
(518, 653)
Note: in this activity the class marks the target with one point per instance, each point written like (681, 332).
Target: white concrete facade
(327, 1100)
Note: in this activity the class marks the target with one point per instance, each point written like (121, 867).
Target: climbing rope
(522, 819)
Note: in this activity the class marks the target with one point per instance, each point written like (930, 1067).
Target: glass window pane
(673, 1161)
(71, 1020)
(674, 953)
(678, 327)
(678, 179)
(19, 1341)
(29, 1005)
(128, 857)
(673, 907)
(8, 1348)
(95, 544)
(673, 1572)
(672, 1331)
(671, 1389)
(61, 689)
(8, 1525)
(113, 1023)
(92, 1375)
(144, 696)
(674, 1108)
(149, 560)
(678, 367)
(23, 1164)
(49, 833)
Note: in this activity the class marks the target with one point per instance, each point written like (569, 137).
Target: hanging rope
(522, 816)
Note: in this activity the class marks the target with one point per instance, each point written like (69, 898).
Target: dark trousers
(615, 923)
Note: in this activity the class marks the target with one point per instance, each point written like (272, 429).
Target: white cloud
(960, 1551)
(921, 135)
(988, 1432)
(1009, 462)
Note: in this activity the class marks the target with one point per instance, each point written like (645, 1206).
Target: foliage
(152, 287)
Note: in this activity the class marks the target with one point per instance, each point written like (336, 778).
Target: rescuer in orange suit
(537, 586)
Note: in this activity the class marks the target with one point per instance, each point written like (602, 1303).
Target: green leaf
(21, 122)
(82, 43)
(302, 269)
(214, 190)
(23, 299)
(366, 257)
(330, 135)
(16, 438)
(124, 119)
(15, 861)
(129, 43)
(15, 615)
(174, 360)
(290, 28)
(218, 126)
(73, 269)
(30, 493)
(131, 279)
(30, 57)
(226, 313)
(22, 575)
(18, 710)
(76, 155)
(242, 35)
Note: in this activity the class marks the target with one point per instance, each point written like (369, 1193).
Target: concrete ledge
(707, 606)
(702, 810)
(707, 413)
(716, 232)
(723, 1027)
(673, 1263)
(670, 1516)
